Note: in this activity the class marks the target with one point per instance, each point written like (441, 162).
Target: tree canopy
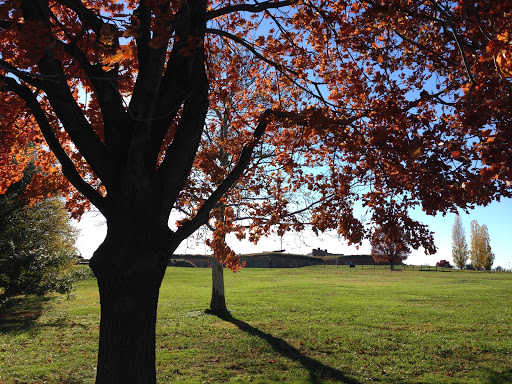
(390, 250)
(393, 104)
(401, 95)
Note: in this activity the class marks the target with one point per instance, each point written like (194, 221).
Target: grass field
(309, 325)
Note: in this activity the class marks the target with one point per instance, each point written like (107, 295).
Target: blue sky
(497, 217)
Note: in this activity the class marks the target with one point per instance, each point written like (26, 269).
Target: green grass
(310, 325)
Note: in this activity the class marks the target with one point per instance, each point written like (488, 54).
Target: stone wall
(281, 260)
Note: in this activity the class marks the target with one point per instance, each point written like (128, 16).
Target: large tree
(460, 252)
(394, 104)
(386, 249)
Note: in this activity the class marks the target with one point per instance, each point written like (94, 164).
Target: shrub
(444, 264)
(37, 244)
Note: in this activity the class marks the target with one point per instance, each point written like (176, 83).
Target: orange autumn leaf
(416, 153)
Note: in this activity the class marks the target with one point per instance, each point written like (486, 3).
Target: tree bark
(218, 300)
(129, 266)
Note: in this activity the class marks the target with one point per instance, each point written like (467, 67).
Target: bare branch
(253, 8)
(457, 39)
(151, 61)
(28, 77)
(250, 47)
(480, 24)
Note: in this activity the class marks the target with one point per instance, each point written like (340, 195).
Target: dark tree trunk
(218, 300)
(129, 266)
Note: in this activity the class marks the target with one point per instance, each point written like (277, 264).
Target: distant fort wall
(279, 260)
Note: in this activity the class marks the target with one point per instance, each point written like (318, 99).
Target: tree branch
(5, 24)
(105, 85)
(144, 33)
(86, 15)
(248, 46)
(28, 77)
(281, 69)
(203, 214)
(253, 8)
(109, 99)
(178, 161)
(184, 76)
(457, 40)
(68, 168)
(64, 104)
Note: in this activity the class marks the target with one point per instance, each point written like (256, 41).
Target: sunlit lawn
(309, 325)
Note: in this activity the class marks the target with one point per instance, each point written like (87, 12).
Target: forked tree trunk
(218, 300)
(129, 266)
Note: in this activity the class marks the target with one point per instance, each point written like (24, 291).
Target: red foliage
(444, 264)
(395, 104)
(389, 248)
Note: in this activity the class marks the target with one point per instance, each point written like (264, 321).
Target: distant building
(321, 252)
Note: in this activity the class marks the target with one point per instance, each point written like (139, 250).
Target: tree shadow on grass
(499, 377)
(317, 370)
(19, 314)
